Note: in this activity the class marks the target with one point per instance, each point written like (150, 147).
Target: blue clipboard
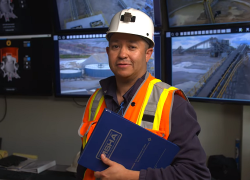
(126, 143)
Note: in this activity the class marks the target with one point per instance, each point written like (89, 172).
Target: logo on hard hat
(127, 17)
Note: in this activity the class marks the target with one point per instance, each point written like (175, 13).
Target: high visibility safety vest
(150, 108)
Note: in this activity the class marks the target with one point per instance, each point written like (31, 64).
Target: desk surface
(60, 168)
(57, 172)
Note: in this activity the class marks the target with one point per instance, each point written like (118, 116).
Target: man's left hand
(115, 171)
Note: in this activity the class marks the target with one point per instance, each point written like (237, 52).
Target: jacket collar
(109, 88)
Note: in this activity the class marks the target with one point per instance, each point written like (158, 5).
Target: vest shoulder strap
(157, 114)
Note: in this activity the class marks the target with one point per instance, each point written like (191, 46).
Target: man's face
(128, 55)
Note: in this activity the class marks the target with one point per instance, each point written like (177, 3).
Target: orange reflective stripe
(167, 111)
(89, 175)
(164, 125)
(165, 118)
(181, 94)
(133, 111)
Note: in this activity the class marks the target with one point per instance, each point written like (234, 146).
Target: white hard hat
(132, 21)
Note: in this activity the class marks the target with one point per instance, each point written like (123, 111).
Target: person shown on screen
(139, 97)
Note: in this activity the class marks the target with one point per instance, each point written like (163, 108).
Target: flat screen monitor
(207, 12)
(26, 63)
(96, 14)
(25, 17)
(210, 64)
(81, 62)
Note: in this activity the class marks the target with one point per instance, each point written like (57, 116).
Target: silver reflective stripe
(153, 101)
(146, 124)
(162, 85)
(82, 120)
(149, 111)
(95, 104)
(170, 113)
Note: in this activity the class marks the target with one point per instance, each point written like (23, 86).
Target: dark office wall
(46, 127)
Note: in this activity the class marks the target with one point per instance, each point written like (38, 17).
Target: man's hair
(150, 44)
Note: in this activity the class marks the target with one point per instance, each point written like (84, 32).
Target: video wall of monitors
(26, 63)
(210, 64)
(187, 13)
(207, 46)
(81, 62)
(95, 14)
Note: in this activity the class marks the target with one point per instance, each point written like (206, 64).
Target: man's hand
(115, 171)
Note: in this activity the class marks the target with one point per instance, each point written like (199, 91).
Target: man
(144, 100)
